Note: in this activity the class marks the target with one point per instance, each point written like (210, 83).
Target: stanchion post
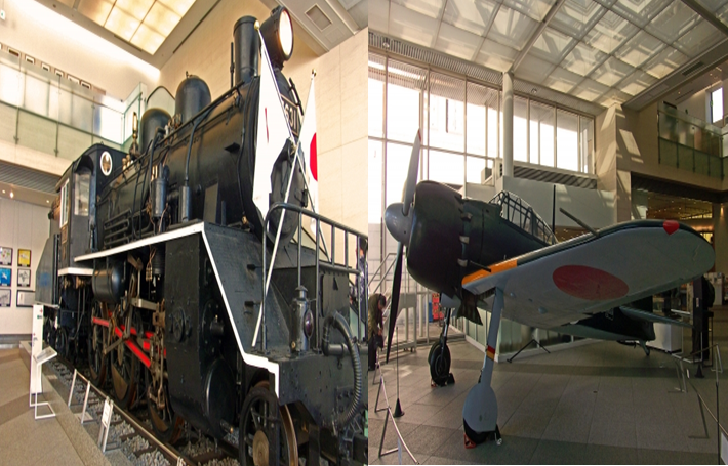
(73, 385)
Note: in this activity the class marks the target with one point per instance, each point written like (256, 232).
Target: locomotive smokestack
(247, 46)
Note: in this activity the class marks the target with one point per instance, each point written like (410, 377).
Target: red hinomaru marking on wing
(584, 282)
(670, 226)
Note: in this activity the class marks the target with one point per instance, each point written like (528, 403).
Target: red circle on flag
(584, 282)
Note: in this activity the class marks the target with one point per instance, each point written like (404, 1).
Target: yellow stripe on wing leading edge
(494, 269)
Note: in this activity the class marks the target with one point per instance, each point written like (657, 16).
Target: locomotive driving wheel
(165, 422)
(97, 361)
(124, 373)
(259, 421)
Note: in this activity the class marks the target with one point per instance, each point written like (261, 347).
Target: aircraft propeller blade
(394, 304)
(408, 193)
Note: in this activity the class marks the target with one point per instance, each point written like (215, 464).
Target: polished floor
(26, 441)
(597, 403)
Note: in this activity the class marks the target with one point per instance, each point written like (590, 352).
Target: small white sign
(106, 418)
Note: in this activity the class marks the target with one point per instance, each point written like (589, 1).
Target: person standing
(362, 278)
(377, 303)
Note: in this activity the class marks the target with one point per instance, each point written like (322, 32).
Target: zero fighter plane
(501, 255)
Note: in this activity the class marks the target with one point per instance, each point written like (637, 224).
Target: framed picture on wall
(24, 257)
(6, 256)
(4, 298)
(6, 274)
(24, 298)
(23, 277)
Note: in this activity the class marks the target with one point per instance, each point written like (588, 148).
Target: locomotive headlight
(308, 323)
(277, 32)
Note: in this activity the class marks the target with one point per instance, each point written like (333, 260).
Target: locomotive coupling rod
(112, 346)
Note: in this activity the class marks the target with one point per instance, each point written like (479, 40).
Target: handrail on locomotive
(331, 262)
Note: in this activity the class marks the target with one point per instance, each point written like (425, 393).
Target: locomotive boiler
(161, 277)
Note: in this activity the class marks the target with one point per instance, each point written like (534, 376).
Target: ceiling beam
(707, 15)
(532, 40)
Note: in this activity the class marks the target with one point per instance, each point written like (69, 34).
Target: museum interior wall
(22, 226)
(35, 135)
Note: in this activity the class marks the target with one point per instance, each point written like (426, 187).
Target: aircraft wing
(558, 284)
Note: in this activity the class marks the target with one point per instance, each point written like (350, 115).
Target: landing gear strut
(439, 357)
(480, 411)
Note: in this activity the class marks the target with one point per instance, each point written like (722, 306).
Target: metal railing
(330, 262)
(167, 451)
(688, 143)
(684, 379)
(401, 445)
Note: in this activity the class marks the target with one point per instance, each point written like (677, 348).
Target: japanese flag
(273, 130)
(307, 143)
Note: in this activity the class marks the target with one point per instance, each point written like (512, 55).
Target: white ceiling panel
(665, 62)
(379, 15)
(534, 69)
(612, 71)
(411, 26)
(672, 22)
(496, 56)
(97, 10)
(699, 38)
(610, 32)
(562, 80)
(431, 8)
(457, 42)
(612, 97)
(640, 12)
(589, 90)
(536, 9)
(636, 83)
(583, 59)
(552, 45)
(575, 17)
(639, 48)
(713, 5)
(470, 15)
(511, 28)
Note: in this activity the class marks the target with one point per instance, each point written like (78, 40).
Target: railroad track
(131, 432)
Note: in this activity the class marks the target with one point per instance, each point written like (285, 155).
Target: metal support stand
(83, 416)
(105, 423)
(480, 411)
(401, 445)
(533, 340)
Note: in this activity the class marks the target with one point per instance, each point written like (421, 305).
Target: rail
(383, 276)
(171, 454)
(330, 261)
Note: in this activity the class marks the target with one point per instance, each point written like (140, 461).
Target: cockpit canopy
(518, 212)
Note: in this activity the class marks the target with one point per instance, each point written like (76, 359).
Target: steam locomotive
(155, 271)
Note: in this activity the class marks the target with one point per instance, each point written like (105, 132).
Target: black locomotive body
(161, 270)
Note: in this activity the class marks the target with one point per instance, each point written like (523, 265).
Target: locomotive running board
(222, 255)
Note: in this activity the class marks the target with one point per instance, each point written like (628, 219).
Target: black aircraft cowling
(452, 237)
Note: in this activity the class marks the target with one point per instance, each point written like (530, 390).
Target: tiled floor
(26, 441)
(596, 403)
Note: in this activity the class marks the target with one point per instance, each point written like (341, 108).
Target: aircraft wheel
(439, 361)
